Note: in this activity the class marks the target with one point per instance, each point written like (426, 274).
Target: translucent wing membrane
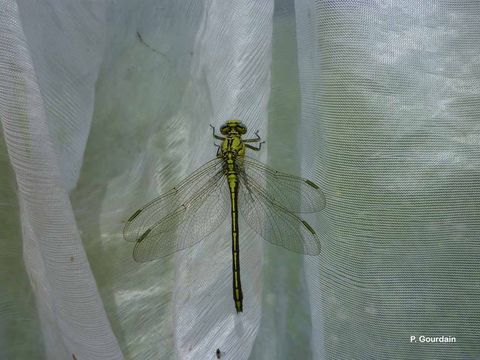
(188, 225)
(144, 218)
(279, 226)
(268, 200)
(288, 191)
(181, 217)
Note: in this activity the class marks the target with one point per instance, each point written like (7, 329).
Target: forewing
(191, 222)
(288, 191)
(168, 203)
(273, 222)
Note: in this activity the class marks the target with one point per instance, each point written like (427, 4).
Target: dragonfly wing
(273, 222)
(146, 217)
(291, 192)
(191, 222)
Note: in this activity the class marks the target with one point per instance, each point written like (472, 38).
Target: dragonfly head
(233, 127)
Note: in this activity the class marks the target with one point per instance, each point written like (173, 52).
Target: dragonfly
(232, 184)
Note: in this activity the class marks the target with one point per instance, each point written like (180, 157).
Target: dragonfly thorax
(232, 147)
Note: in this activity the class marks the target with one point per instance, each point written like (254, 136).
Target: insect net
(104, 105)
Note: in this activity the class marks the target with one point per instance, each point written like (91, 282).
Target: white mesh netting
(104, 105)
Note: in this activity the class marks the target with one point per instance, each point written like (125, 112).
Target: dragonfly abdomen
(232, 179)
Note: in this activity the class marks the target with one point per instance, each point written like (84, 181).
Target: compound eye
(224, 130)
(242, 129)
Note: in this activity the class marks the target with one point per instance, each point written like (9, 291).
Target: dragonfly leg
(218, 137)
(254, 140)
(257, 139)
(254, 147)
(219, 151)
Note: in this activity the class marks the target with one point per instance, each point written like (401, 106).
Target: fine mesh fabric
(106, 105)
